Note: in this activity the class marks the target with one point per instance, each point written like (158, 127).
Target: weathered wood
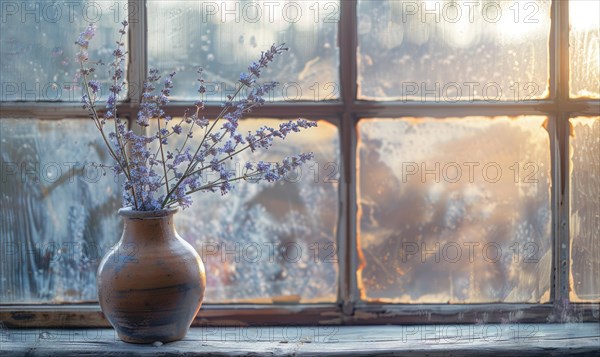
(61, 110)
(418, 340)
(89, 315)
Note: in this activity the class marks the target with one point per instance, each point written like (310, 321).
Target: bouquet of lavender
(158, 176)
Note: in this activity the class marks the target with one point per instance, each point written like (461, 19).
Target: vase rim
(129, 212)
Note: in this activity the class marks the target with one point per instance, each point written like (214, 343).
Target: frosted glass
(58, 212)
(266, 243)
(37, 52)
(454, 210)
(447, 51)
(584, 48)
(263, 243)
(224, 37)
(584, 206)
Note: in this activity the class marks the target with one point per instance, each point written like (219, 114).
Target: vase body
(151, 283)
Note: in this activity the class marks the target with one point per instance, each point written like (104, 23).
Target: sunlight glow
(584, 14)
(518, 21)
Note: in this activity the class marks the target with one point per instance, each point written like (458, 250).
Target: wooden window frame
(345, 114)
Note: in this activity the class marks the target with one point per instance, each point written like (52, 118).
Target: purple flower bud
(94, 86)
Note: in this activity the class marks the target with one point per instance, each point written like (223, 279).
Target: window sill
(432, 340)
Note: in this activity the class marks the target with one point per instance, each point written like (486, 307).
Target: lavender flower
(155, 177)
(94, 86)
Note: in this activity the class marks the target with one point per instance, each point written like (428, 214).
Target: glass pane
(447, 51)
(224, 37)
(584, 205)
(268, 243)
(454, 210)
(37, 52)
(584, 48)
(58, 211)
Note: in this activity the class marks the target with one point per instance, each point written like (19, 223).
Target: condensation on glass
(448, 51)
(224, 37)
(58, 210)
(584, 204)
(270, 243)
(37, 51)
(454, 210)
(584, 48)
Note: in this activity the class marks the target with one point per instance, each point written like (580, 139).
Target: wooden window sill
(418, 340)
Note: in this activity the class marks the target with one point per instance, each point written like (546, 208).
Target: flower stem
(162, 154)
(192, 164)
(229, 156)
(219, 182)
(92, 109)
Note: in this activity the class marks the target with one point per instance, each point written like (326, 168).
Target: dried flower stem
(136, 161)
(194, 162)
(218, 182)
(98, 122)
(229, 156)
(162, 154)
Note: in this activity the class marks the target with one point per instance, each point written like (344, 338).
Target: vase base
(145, 338)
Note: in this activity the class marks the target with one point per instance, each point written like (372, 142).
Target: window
(455, 177)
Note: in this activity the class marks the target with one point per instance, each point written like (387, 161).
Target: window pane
(262, 243)
(450, 51)
(224, 37)
(267, 243)
(59, 213)
(454, 210)
(584, 48)
(37, 52)
(585, 209)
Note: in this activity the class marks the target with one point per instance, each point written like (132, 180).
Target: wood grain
(418, 340)
(90, 316)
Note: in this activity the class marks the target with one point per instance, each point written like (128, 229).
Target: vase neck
(149, 229)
